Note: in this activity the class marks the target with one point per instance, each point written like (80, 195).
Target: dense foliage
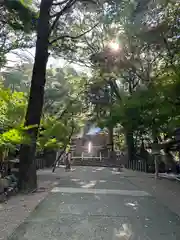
(132, 50)
(64, 107)
(146, 74)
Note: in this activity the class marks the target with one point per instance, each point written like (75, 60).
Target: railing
(40, 163)
(90, 156)
(90, 160)
(138, 164)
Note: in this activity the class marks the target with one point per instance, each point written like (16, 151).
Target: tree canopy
(132, 51)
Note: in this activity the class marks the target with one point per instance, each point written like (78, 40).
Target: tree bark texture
(111, 138)
(156, 158)
(156, 163)
(27, 166)
(130, 145)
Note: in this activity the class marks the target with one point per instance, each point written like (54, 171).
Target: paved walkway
(164, 190)
(17, 208)
(100, 203)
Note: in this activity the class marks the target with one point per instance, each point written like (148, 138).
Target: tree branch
(64, 149)
(65, 110)
(60, 3)
(170, 54)
(74, 37)
(114, 88)
(59, 14)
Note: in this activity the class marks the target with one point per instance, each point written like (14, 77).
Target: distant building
(90, 143)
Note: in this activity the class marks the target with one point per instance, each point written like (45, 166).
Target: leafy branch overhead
(21, 16)
(132, 51)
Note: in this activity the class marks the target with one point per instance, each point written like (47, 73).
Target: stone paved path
(164, 190)
(17, 208)
(100, 203)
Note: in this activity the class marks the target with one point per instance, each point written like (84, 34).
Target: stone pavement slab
(79, 216)
(72, 213)
(17, 208)
(123, 184)
(133, 193)
(99, 177)
(164, 190)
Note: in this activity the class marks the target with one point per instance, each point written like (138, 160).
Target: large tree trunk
(112, 154)
(130, 145)
(156, 164)
(156, 158)
(27, 166)
(111, 138)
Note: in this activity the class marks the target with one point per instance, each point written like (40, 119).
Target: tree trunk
(130, 145)
(112, 154)
(64, 149)
(27, 166)
(111, 138)
(156, 163)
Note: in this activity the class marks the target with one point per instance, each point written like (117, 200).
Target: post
(100, 157)
(177, 138)
(156, 153)
(57, 156)
(156, 166)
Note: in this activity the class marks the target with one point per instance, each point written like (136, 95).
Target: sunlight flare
(89, 147)
(113, 45)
